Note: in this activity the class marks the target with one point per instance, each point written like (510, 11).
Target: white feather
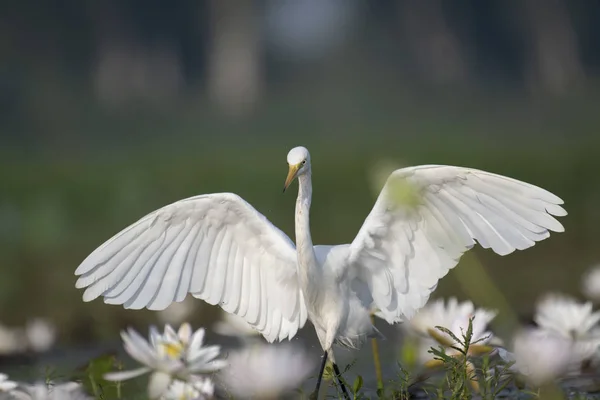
(455, 206)
(217, 247)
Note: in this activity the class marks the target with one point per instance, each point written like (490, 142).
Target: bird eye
(303, 162)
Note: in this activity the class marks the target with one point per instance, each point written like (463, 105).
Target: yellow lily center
(173, 349)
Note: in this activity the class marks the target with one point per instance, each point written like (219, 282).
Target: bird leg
(338, 375)
(336, 370)
(320, 376)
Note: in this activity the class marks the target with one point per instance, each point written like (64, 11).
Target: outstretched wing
(426, 217)
(216, 247)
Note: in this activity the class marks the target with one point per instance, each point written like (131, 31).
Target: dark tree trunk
(554, 63)
(436, 49)
(235, 63)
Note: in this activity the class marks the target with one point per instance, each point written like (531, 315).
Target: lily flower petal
(124, 375)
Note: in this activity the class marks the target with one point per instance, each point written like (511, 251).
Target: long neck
(307, 262)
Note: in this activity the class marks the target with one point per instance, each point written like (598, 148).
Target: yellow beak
(291, 175)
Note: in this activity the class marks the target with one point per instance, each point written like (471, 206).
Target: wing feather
(426, 217)
(183, 287)
(235, 292)
(203, 256)
(216, 247)
(215, 289)
(264, 307)
(154, 271)
(254, 299)
(244, 294)
(117, 294)
(171, 272)
(228, 282)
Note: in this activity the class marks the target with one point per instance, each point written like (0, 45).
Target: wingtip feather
(81, 283)
(89, 295)
(558, 228)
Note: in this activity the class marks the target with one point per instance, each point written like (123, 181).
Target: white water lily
(590, 283)
(455, 317)
(40, 334)
(6, 385)
(266, 371)
(12, 340)
(542, 356)
(199, 389)
(171, 355)
(572, 320)
(567, 317)
(49, 391)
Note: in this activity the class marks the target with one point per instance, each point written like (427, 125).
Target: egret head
(299, 163)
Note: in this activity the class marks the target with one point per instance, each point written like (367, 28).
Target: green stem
(94, 388)
(479, 286)
(376, 360)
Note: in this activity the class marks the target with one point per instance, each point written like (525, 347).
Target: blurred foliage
(109, 110)
(61, 201)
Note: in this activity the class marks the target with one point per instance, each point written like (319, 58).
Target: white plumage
(220, 249)
(216, 247)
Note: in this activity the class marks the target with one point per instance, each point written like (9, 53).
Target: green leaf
(358, 383)
(94, 372)
(481, 339)
(349, 366)
(440, 353)
(469, 334)
(501, 387)
(328, 372)
(449, 333)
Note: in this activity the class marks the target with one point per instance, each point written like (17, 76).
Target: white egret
(221, 250)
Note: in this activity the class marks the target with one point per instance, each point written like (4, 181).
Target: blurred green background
(111, 109)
